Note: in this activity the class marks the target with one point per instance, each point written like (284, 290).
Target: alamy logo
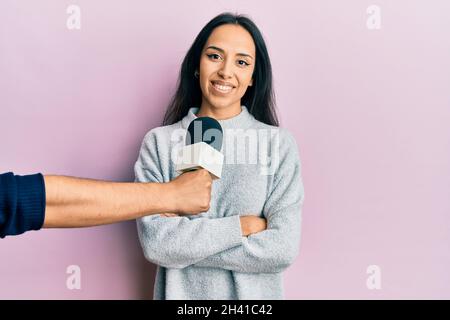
(252, 146)
(374, 20)
(74, 280)
(373, 282)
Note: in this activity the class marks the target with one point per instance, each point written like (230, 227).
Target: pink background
(370, 110)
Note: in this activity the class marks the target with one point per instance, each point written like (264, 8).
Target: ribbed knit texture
(22, 203)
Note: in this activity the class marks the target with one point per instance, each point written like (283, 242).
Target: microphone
(204, 138)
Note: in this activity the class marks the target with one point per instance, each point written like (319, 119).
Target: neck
(206, 110)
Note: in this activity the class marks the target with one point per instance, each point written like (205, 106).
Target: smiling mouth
(222, 88)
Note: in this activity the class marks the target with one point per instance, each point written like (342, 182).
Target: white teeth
(222, 88)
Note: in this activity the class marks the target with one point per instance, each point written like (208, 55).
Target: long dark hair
(259, 98)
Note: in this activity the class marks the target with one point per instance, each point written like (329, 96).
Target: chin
(220, 105)
(216, 103)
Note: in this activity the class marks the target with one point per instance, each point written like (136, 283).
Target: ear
(251, 83)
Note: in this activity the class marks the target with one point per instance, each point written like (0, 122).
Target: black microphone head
(205, 129)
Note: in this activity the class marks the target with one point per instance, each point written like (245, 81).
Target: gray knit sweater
(205, 256)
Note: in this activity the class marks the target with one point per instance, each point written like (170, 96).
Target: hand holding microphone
(35, 201)
(199, 161)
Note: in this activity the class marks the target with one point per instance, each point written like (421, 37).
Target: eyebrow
(223, 51)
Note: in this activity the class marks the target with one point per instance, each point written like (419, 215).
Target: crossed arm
(231, 243)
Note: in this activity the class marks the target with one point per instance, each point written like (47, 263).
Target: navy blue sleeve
(22, 203)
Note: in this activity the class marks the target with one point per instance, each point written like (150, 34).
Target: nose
(226, 71)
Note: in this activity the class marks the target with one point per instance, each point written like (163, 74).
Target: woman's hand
(252, 224)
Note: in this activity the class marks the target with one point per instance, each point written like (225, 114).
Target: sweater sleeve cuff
(31, 201)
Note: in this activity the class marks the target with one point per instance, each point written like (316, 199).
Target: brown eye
(243, 63)
(213, 56)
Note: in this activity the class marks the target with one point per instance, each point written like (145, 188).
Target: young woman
(251, 233)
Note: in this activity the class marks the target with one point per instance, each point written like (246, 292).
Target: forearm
(274, 249)
(76, 202)
(268, 251)
(178, 242)
(256, 255)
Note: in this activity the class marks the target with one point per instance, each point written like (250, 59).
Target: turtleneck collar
(240, 121)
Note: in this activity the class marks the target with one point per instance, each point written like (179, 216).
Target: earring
(196, 74)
